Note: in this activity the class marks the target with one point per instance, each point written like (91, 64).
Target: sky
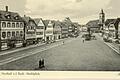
(80, 11)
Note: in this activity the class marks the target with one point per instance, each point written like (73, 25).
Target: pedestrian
(41, 63)
(119, 49)
(83, 40)
(63, 42)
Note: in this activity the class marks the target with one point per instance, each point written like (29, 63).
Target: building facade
(109, 28)
(30, 31)
(70, 25)
(76, 29)
(93, 25)
(40, 30)
(57, 30)
(12, 29)
(49, 31)
(64, 30)
(112, 25)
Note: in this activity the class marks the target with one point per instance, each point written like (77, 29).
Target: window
(3, 34)
(3, 24)
(0, 15)
(13, 25)
(17, 24)
(39, 33)
(17, 33)
(32, 27)
(16, 17)
(8, 16)
(8, 34)
(40, 27)
(13, 34)
(21, 33)
(8, 25)
(49, 26)
(21, 25)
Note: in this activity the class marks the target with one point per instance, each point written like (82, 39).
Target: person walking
(83, 40)
(63, 42)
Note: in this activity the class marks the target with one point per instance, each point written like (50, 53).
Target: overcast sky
(78, 10)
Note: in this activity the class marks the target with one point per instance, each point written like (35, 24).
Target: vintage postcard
(60, 36)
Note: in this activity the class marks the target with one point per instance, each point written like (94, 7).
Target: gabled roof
(57, 23)
(63, 25)
(27, 19)
(108, 21)
(37, 20)
(51, 23)
(93, 23)
(12, 15)
(46, 22)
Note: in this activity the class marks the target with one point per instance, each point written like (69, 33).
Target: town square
(37, 41)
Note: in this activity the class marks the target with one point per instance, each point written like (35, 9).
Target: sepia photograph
(60, 35)
(64, 79)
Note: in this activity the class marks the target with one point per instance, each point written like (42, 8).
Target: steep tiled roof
(93, 23)
(64, 25)
(108, 21)
(12, 16)
(46, 22)
(57, 23)
(27, 19)
(37, 20)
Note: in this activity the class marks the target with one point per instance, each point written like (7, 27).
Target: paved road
(92, 55)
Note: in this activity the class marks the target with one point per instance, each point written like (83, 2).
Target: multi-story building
(40, 29)
(93, 25)
(49, 30)
(76, 29)
(109, 28)
(11, 28)
(112, 29)
(70, 25)
(30, 31)
(57, 30)
(64, 30)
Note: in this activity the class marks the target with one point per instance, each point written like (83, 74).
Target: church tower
(101, 19)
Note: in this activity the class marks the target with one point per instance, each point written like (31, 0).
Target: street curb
(19, 49)
(24, 48)
(11, 59)
(113, 48)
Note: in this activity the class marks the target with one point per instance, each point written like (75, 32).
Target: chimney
(24, 15)
(6, 8)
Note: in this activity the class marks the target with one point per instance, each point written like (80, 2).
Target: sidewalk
(24, 48)
(19, 49)
(113, 46)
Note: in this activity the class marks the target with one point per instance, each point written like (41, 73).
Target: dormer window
(7, 16)
(16, 17)
(0, 15)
